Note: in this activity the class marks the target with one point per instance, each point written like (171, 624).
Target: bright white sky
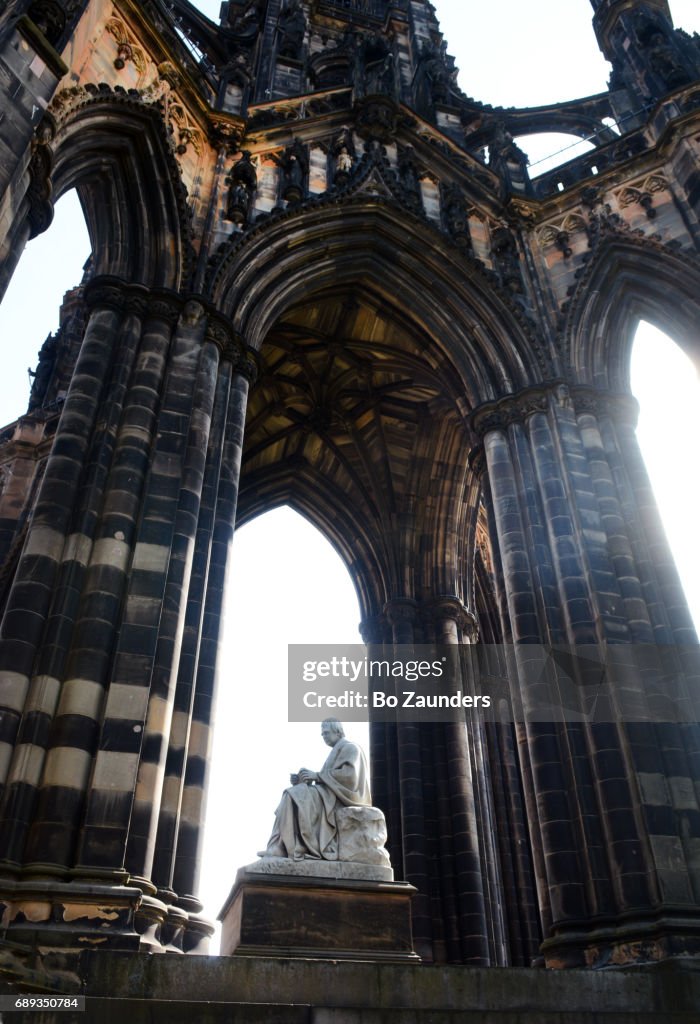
(288, 586)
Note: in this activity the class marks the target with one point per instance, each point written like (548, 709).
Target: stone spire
(650, 58)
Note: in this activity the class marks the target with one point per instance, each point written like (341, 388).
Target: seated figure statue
(328, 815)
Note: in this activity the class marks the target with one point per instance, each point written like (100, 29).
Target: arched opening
(547, 150)
(370, 367)
(51, 265)
(288, 586)
(666, 384)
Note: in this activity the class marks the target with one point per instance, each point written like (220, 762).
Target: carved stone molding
(165, 306)
(106, 293)
(401, 610)
(248, 365)
(477, 461)
(623, 408)
(220, 332)
(377, 117)
(559, 232)
(515, 408)
(642, 192)
(232, 347)
(128, 49)
(136, 301)
(452, 609)
(40, 189)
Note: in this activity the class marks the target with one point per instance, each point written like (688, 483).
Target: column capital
(621, 407)
(232, 347)
(165, 305)
(401, 610)
(454, 610)
(515, 408)
(106, 291)
(220, 332)
(248, 364)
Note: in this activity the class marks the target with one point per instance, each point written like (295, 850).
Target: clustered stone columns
(433, 781)
(107, 645)
(613, 802)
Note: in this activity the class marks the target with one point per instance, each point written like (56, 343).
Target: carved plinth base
(320, 918)
(75, 915)
(629, 944)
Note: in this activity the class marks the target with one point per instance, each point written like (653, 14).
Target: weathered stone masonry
(322, 275)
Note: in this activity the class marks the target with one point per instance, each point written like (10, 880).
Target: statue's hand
(306, 776)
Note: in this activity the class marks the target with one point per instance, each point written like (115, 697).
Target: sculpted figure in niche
(292, 28)
(294, 163)
(244, 181)
(305, 822)
(343, 161)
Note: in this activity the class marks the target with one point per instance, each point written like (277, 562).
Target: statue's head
(332, 731)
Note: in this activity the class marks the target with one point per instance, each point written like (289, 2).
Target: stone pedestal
(311, 916)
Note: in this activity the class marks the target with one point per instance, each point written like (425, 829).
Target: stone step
(125, 988)
(160, 1011)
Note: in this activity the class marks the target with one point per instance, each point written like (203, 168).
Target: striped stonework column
(402, 616)
(423, 781)
(615, 796)
(241, 370)
(36, 632)
(164, 854)
(195, 382)
(79, 598)
(468, 868)
(134, 490)
(531, 890)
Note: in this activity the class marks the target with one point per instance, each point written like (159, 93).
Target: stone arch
(629, 279)
(113, 148)
(469, 342)
(320, 503)
(376, 570)
(469, 319)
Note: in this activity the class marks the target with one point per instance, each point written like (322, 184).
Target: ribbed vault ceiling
(354, 422)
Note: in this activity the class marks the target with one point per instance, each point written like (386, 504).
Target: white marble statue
(327, 816)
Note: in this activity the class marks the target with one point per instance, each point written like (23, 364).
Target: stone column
(194, 379)
(375, 632)
(401, 616)
(140, 483)
(424, 783)
(243, 368)
(36, 632)
(619, 841)
(80, 554)
(529, 915)
(469, 870)
(164, 854)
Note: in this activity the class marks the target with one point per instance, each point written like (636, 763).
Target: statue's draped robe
(305, 824)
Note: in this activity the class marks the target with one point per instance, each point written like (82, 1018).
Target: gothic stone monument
(309, 284)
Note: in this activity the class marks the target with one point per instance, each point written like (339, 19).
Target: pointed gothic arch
(113, 148)
(629, 279)
(474, 325)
